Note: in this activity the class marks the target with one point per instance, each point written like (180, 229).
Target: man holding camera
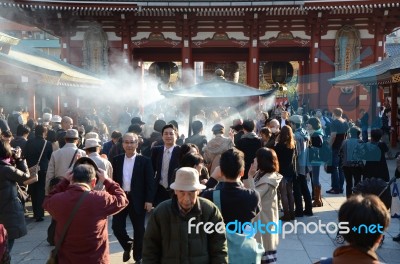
(87, 237)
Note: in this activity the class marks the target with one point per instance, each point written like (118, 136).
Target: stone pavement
(294, 248)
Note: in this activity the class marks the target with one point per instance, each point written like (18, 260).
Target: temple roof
(23, 60)
(257, 5)
(392, 49)
(376, 73)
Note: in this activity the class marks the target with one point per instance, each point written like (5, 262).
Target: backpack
(241, 248)
(4, 254)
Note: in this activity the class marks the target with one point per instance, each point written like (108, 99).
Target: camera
(16, 152)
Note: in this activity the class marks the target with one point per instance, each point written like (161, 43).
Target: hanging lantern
(165, 71)
(278, 72)
(231, 70)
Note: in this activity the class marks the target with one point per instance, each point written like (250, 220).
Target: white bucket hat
(91, 143)
(187, 179)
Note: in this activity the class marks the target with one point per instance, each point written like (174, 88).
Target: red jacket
(86, 240)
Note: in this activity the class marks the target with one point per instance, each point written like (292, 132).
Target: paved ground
(295, 248)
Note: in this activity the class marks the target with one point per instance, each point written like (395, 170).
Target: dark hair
(22, 130)
(31, 123)
(185, 149)
(135, 128)
(249, 125)
(174, 123)
(315, 123)
(6, 133)
(191, 160)
(18, 108)
(47, 110)
(5, 150)
(376, 134)
(116, 134)
(197, 126)
(158, 125)
(232, 163)
(359, 211)
(168, 126)
(387, 110)
(84, 173)
(267, 160)
(40, 131)
(266, 131)
(355, 132)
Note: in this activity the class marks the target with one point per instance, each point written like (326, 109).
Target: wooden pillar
(314, 68)
(394, 115)
(65, 47)
(186, 52)
(56, 110)
(253, 63)
(373, 91)
(300, 84)
(126, 42)
(31, 100)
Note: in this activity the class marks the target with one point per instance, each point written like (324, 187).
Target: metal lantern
(278, 72)
(165, 71)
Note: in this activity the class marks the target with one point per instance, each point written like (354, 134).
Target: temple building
(301, 44)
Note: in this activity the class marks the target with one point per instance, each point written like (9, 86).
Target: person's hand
(204, 181)
(253, 169)
(140, 140)
(102, 174)
(216, 174)
(231, 134)
(148, 206)
(17, 153)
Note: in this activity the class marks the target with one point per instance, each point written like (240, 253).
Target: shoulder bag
(55, 180)
(33, 171)
(53, 254)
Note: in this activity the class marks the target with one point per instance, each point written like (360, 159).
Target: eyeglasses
(131, 142)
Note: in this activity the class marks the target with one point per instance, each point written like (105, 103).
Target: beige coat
(60, 160)
(267, 187)
(214, 149)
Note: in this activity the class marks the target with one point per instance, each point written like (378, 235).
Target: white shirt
(165, 167)
(127, 172)
(283, 122)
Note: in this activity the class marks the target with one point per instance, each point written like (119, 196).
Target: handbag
(53, 254)
(241, 248)
(33, 171)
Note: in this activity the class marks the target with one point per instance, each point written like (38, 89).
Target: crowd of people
(260, 167)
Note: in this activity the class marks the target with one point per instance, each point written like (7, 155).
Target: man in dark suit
(135, 174)
(165, 160)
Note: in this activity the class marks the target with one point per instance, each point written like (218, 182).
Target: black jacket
(32, 151)
(157, 153)
(142, 183)
(237, 202)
